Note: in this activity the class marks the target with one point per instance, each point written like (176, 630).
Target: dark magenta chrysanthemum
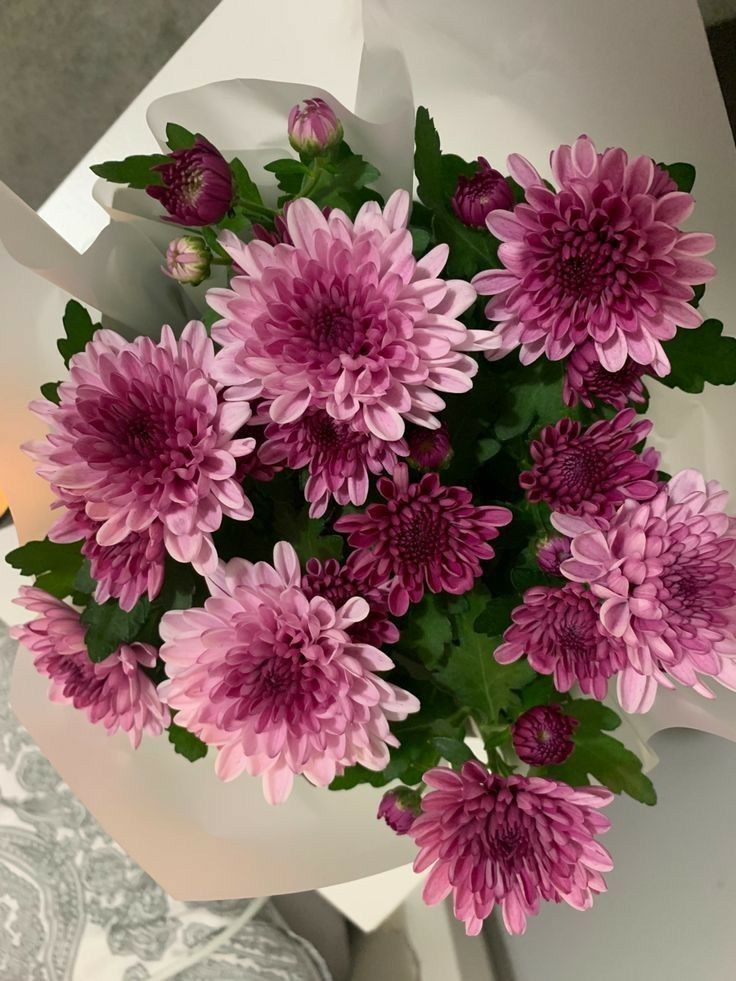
(197, 185)
(601, 259)
(426, 536)
(587, 381)
(511, 841)
(542, 735)
(477, 196)
(559, 631)
(591, 471)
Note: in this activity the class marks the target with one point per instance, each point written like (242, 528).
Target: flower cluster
(433, 516)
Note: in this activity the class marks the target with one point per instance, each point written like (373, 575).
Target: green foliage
(306, 534)
(186, 744)
(54, 565)
(455, 751)
(495, 617)
(134, 171)
(471, 249)
(50, 391)
(289, 174)
(427, 631)
(699, 356)
(531, 397)
(472, 675)
(245, 187)
(683, 174)
(339, 179)
(178, 137)
(108, 626)
(599, 755)
(79, 330)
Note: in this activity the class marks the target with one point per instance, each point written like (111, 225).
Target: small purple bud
(475, 197)
(541, 736)
(429, 449)
(198, 185)
(551, 552)
(399, 808)
(188, 260)
(313, 127)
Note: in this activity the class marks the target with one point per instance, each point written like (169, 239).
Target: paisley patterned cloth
(74, 907)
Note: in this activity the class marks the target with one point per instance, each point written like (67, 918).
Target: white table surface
(640, 75)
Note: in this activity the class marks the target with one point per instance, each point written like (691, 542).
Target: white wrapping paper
(498, 78)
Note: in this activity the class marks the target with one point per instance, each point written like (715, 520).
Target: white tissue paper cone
(498, 78)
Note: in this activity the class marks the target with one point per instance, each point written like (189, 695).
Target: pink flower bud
(399, 808)
(475, 197)
(198, 185)
(188, 260)
(541, 736)
(429, 449)
(551, 552)
(313, 127)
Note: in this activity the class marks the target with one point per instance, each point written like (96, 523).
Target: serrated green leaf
(179, 137)
(246, 188)
(289, 174)
(599, 755)
(428, 160)
(83, 581)
(134, 171)
(473, 676)
(532, 397)
(455, 751)
(186, 744)
(683, 174)
(700, 355)
(108, 626)
(427, 631)
(699, 292)
(50, 391)
(53, 564)
(79, 330)
(495, 617)
(306, 535)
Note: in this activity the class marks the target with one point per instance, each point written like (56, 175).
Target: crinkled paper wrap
(502, 77)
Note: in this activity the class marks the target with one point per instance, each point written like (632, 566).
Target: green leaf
(455, 751)
(54, 564)
(487, 448)
(473, 676)
(186, 744)
(683, 174)
(50, 391)
(134, 171)
(420, 239)
(289, 174)
(306, 535)
(599, 755)
(79, 330)
(427, 632)
(699, 356)
(471, 249)
(428, 160)
(108, 626)
(496, 616)
(532, 396)
(246, 188)
(699, 292)
(178, 137)
(83, 581)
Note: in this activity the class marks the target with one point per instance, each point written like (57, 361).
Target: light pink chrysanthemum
(593, 470)
(559, 631)
(511, 841)
(339, 459)
(586, 380)
(426, 535)
(665, 572)
(345, 320)
(125, 571)
(115, 692)
(603, 258)
(141, 436)
(339, 583)
(275, 681)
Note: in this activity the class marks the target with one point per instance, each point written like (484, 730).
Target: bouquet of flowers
(384, 512)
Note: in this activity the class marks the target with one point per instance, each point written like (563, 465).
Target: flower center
(326, 433)
(580, 467)
(509, 842)
(336, 330)
(421, 536)
(583, 262)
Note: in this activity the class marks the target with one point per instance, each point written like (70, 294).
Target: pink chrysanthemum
(602, 258)
(126, 570)
(511, 841)
(345, 320)
(592, 471)
(429, 449)
(115, 692)
(586, 380)
(560, 632)
(551, 552)
(666, 574)
(141, 436)
(339, 583)
(542, 736)
(424, 536)
(275, 681)
(339, 459)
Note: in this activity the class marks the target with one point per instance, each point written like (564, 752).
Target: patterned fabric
(74, 907)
